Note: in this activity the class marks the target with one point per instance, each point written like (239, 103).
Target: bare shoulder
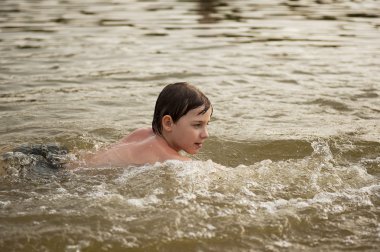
(138, 135)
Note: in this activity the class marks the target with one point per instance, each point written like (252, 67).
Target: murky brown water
(293, 163)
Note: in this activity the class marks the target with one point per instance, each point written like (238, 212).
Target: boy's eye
(199, 125)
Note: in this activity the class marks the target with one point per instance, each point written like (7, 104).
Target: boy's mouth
(199, 145)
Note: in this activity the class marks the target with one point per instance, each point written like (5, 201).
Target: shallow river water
(293, 161)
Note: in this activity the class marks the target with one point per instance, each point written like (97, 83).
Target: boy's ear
(167, 122)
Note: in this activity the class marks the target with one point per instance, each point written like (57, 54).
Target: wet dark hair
(176, 100)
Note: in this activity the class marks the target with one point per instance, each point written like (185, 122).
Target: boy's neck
(166, 140)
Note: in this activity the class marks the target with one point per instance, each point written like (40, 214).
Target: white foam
(247, 192)
(119, 229)
(184, 198)
(61, 190)
(133, 171)
(282, 244)
(142, 202)
(4, 204)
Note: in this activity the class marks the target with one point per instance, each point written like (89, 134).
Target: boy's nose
(204, 133)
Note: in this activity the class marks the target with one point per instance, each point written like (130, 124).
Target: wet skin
(143, 146)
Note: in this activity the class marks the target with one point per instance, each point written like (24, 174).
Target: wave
(284, 204)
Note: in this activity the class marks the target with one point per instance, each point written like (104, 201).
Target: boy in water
(180, 120)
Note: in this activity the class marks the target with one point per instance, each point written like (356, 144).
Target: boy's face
(190, 131)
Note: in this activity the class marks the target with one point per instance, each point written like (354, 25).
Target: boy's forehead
(197, 112)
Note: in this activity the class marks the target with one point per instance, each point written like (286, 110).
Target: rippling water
(293, 163)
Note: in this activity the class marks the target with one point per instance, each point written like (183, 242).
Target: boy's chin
(192, 152)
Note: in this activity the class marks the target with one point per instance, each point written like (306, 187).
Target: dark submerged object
(52, 155)
(36, 158)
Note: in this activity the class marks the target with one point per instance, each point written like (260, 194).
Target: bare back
(140, 147)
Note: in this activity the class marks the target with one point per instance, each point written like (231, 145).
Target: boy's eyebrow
(201, 121)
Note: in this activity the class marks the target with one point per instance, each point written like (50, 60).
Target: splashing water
(293, 161)
(293, 204)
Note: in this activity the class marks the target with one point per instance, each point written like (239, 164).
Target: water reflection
(207, 11)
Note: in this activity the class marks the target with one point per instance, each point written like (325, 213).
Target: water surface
(293, 160)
